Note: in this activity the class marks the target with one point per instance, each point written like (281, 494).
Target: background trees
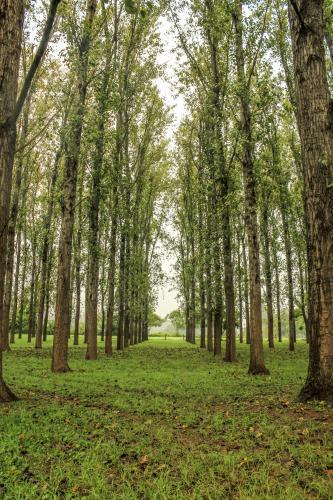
(91, 184)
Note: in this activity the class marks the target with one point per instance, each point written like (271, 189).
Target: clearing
(162, 420)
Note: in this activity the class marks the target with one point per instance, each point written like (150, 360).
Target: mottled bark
(246, 292)
(314, 106)
(277, 291)
(13, 323)
(257, 364)
(72, 146)
(268, 274)
(11, 19)
(47, 238)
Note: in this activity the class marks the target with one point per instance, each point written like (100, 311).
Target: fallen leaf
(144, 460)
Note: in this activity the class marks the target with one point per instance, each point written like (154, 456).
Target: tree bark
(268, 275)
(314, 106)
(257, 364)
(45, 253)
(11, 20)
(72, 151)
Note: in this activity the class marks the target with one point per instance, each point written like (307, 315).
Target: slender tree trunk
(230, 354)
(291, 314)
(314, 106)
(48, 290)
(278, 292)
(22, 296)
(268, 275)
(246, 293)
(72, 152)
(209, 311)
(4, 324)
(11, 20)
(303, 304)
(257, 364)
(120, 333)
(111, 282)
(45, 253)
(93, 238)
(32, 315)
(16, 288)
(240, 296)
(78, 263)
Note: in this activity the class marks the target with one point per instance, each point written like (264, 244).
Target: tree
(11, 15)
(314, 110)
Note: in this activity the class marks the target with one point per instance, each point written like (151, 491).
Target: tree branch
(36, 61)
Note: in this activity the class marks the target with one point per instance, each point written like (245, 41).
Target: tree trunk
(11, 20)
(277, 289)
(32, 312)
(95, 194)
(120, 333)
(22, 297)
(72, 152)
(314, 106)
(246, 293)
(240, 291)
(12, 229)
(290, 278)
(303, 304)
(16, 288)
(257, 364)
(45, 253)
(111, 282)
(268, 275)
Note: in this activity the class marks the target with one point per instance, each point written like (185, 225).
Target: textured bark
(268, 275)
(246, 292)
(22, 298)
(230, 352)
(120, 332)
(6, 395)
(32, 303)
(78, 263)
(221, 191)
(16, 288)
(48, 290)
(257, 364)
(127, 285)
(72, 152)
(95, 194)
(278, 291)
(12, 229)
(290, 279)
(45, 253)
(240, 289)
(314, 106)
(111, 281)
(11, 19)
(201, 264)
(302, 293)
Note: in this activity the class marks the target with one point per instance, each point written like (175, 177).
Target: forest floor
(163, 420)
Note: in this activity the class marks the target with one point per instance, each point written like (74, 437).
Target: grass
(163, 420)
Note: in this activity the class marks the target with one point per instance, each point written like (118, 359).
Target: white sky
(167, 300)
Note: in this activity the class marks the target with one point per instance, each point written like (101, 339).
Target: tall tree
(314, 108)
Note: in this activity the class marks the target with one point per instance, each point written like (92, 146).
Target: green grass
(163, 420)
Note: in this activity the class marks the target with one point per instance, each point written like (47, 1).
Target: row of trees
(85, 210)
(254, 163)
(84, 186)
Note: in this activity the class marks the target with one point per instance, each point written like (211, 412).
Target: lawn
(163, 420)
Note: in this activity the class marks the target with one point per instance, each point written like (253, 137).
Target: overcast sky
(167, 296)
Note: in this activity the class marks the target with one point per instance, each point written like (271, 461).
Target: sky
(167, 296)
